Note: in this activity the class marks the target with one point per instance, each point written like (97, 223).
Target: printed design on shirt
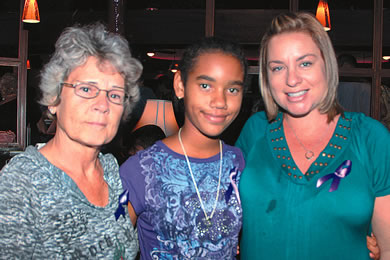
(70, 231)
(176, 214)
(233, 185)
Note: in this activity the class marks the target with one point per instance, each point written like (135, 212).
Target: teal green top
(285, 216)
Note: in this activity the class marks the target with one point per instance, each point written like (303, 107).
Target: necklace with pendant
(207, 218)
(309, 154)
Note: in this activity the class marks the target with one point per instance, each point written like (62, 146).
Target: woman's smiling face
(296, 73)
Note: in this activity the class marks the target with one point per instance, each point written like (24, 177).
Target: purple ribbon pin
(122, 201)
(341, 172)
(232, 186)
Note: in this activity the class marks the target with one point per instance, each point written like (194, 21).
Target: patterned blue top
(170, 220)
(44, 215)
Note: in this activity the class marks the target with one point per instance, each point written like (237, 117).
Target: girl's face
(296, 73)
(213, 93)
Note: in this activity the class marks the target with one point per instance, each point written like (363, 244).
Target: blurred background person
(142, 138)
(353, 94)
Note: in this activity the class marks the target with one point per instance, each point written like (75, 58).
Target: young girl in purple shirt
(182, 191)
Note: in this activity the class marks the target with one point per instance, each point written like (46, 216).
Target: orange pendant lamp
(322, 14)
(31, 12)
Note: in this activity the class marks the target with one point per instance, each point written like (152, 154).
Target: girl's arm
(381, 225)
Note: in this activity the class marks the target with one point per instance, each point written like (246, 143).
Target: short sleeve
(134, 181)
(378, 146)
(239, 158)
(240, 162)
(253, 129)
(19, 210)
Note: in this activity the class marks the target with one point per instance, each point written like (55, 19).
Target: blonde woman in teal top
(316, 178)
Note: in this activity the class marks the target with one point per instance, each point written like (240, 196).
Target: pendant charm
(309, 154)
(207, 222)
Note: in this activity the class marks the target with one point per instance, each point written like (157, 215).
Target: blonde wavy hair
(307, 23)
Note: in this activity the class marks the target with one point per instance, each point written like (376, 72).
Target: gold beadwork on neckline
(337, 144)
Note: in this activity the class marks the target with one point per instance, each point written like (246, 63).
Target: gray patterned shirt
(44, 215)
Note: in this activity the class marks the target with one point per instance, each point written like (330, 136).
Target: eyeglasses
(89, 91)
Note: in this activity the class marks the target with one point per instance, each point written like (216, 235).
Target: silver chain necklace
(309, 154)
(208, 218)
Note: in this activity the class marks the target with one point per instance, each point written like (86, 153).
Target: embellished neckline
(281, 152)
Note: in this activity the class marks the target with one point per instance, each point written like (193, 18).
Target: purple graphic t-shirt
(171, 223)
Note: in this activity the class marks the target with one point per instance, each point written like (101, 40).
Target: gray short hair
(72, 49)
(307, 23)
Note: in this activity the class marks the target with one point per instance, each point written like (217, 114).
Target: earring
(52, 110)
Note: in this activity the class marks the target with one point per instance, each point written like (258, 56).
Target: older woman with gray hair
(61, 200)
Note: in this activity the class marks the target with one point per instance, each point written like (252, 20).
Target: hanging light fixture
(31, 12)
(386, 57)
(174, 67)
(322, 14)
